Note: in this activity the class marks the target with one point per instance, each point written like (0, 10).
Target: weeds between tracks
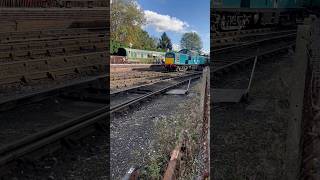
(167, 131)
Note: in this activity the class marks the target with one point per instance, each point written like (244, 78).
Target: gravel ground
(85, 161)
(125, 80)
(8, 92)
(21, 122)
(133, 133)
(250, 144)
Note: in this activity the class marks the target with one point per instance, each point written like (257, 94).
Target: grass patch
(166, 133)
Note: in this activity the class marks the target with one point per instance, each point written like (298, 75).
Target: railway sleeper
(50, 52)
(28, 160)
(49, 38)
(33, 78)
(37, 66)
(11, 80)
(102, 126)
(71, 141)
(31, 157)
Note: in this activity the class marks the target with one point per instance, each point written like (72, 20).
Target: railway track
(25, 37)
(53, 81)
(79, 115)
(60, 108)
(229, 58)
(151, 89)
(120, 81)
(97, 13)
(245, 130)
(240, 37)
(40, 56)
(123, 118)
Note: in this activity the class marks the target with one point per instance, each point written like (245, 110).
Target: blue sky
(176, 17)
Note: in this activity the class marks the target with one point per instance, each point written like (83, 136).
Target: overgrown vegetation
(167, 131)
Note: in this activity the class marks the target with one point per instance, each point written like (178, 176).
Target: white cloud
(176, 47)
(138, 6)
(165, 22)
(206, 51)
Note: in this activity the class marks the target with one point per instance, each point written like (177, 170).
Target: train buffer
(234, 95)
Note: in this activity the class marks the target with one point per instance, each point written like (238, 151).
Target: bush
(114, 46)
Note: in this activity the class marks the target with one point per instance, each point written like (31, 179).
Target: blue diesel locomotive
(184, 60)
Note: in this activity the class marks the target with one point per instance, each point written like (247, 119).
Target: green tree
(126, 20)
(165, 42)
(144, 41)
(114, 46)
(191, 41)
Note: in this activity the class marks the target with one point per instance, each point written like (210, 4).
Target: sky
(176, 17)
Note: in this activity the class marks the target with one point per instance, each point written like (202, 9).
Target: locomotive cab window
(169, 55)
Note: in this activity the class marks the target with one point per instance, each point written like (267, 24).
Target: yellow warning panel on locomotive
(169, 60)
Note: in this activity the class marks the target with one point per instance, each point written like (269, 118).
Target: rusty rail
(176, 156)
(118, 60)
(181, 148)
(206, 123)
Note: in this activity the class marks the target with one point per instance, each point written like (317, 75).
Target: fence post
(293, 144)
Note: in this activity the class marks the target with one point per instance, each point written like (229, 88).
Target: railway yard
(68, 112)
(253, 135)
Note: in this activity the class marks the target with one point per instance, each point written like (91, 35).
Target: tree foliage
(114, 46)
(165, 42)
(126, 20)
(191, 41)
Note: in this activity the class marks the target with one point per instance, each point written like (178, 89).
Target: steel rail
(53, 50)
(145, 85)
(27, 97)
(252, 34)
(48, 31)
(27, 70)
(221, 68)
(37, 39)
(22, 147)
(221, 50)
(47, 37)
(131, 102)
